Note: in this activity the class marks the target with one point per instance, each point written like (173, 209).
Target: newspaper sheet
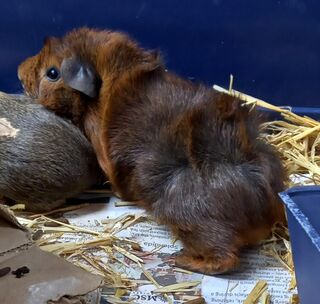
(157, 240)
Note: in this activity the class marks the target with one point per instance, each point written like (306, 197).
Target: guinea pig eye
(53, 74)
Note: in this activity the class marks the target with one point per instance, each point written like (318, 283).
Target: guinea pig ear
(80, 76)
(151, 60)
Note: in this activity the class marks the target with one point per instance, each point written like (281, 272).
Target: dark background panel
(271, 47)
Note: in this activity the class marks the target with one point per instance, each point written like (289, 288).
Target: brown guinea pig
(43, 158)
(189, 155)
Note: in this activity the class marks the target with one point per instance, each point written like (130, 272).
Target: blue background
(271, 47)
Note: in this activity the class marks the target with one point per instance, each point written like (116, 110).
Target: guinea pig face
(73, 72)
(59, 80)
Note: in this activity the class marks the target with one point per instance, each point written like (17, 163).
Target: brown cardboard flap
(50, 277)
(12, 234)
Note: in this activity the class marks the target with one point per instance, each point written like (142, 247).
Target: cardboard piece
(12, 234)
(50, 277)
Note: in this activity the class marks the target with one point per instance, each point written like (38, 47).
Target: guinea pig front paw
(207, 265)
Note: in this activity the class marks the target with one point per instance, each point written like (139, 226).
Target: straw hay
(297, 138)
(88, 253)
(256, 293)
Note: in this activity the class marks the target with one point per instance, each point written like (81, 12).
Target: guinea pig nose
(19, 77)
(22, 84)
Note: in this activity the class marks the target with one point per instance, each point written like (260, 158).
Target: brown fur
(190, 156)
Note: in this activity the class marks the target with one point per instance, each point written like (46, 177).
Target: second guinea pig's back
(44, 158)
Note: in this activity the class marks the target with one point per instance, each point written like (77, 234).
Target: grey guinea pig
(44, 159)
